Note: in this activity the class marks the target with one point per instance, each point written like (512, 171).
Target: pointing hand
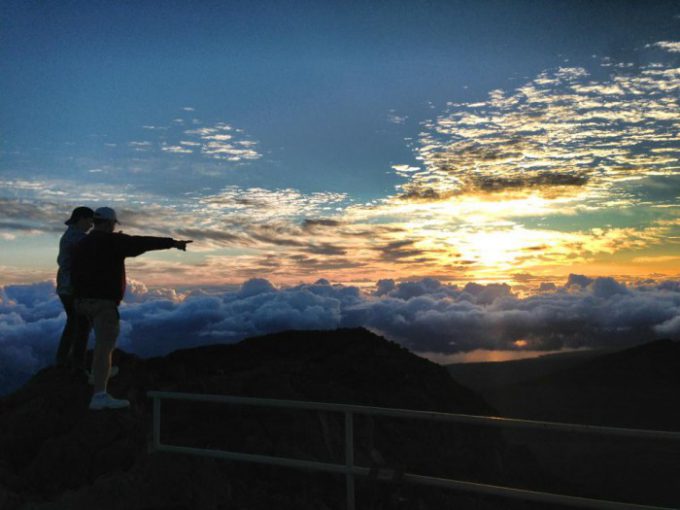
(182, 245)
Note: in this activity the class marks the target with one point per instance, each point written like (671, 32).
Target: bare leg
(101, 363)
(106, 328)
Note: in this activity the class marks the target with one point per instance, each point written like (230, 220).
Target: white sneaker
(113, 373)
(106, 401)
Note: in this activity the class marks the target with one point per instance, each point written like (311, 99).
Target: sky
(517, 145)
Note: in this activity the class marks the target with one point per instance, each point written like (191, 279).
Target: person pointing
(98, 276)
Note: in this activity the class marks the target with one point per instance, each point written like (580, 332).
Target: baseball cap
(79, 212)
(105, 213)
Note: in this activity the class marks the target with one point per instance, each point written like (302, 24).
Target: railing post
(156, 423)
(349, 458)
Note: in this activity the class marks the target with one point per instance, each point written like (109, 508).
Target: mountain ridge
(486, 375)
(630, 388)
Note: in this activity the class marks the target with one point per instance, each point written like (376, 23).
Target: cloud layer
(426, 316)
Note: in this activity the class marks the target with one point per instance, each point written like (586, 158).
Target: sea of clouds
(424, 316)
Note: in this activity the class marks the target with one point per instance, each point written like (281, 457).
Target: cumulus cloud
(669, 328)
(29, 322)
(424, 315)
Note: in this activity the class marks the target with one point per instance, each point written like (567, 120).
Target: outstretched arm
(131, 246)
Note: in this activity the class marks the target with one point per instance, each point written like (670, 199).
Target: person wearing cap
(99, 282)
(73, 342)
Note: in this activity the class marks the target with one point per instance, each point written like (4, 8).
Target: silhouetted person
(73, 343)
(99, 280)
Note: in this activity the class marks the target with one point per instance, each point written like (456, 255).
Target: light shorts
(103, 317)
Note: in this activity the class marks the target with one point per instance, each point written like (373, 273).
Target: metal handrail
(350, 470)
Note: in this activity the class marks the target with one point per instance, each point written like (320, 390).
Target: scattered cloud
(670, 46)
(405, 169)
(176, 149)
(562, 134)
(21, 215)
(221, 141)
(189, 137)
(141, 146)
(394, 118)
(42, 206)
(261, 203)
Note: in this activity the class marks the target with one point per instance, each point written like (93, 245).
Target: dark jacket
(98, 266)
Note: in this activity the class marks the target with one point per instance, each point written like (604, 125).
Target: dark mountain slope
(54, 453)
(636, 387)
(488, 376)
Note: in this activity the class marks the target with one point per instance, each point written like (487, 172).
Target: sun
(503, 249)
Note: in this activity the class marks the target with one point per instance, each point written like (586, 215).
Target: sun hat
(79, 212)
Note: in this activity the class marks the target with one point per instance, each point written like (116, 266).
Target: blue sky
(185, 114)
(312, 81)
